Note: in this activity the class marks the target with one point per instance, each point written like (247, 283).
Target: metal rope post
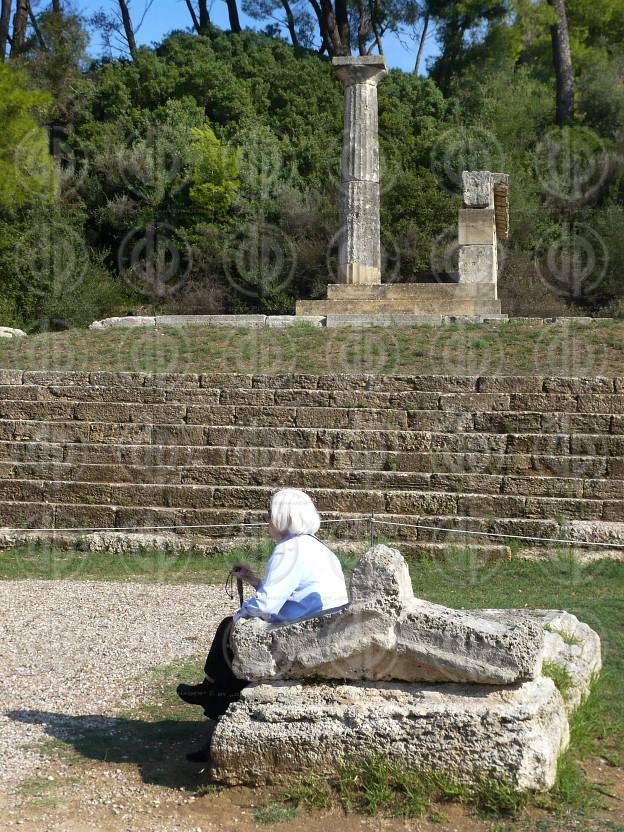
(371, 521)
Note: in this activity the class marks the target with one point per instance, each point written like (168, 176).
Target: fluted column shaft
(359, 258)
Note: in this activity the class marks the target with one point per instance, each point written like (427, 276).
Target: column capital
(360, 69)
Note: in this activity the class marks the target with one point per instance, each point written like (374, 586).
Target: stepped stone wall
(535, 456)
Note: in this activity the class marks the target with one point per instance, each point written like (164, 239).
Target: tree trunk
(363, 28)
(290, 22)
(36, 29)
(189, 6)
(421, 45)
(204, 17)
(127, 24)
(342, 22)
(327, 25)
(5, 22)
(20, 19)
(562, 59)
(233, 15)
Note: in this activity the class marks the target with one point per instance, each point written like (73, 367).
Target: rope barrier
(505, 536)
(370, 519)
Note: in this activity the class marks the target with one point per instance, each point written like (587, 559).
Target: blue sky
(165, 15)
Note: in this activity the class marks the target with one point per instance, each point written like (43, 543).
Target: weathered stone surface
(211, 320)
(597, 531)
(477, 189)
(387, 634)
(476, 226)
(11, 332)
(477, 264)
(128, 321)
(281, 731)
(279, 321)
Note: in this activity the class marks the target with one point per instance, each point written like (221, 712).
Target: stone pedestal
(482, 220)
(359, 256)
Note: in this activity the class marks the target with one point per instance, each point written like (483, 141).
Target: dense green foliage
(202, 176)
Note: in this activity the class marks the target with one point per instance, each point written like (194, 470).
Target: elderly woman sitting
(302, 577)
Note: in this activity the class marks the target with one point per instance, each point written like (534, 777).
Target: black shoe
(200, 756)
(217, 704)
(195, 694)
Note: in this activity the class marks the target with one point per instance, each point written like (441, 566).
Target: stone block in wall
(575, 386)
(250, 397)
(510, 384)
(508, 422)
(543, 402)
(476, 227)
(474, 402)
(477, 264)
(436, 420)
(569, 466)
(210, 415)
(225, 380)
(616, 424)
(11, 376)
(322, 417)
(304, 398)
(49, 431)
(576, 422)
(593, 403)
(363, 419)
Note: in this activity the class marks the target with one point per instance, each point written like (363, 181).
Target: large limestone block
(387, 634)
(477, 227)
(281, 731)
(478, 191)
(477, 264)
(11, 332)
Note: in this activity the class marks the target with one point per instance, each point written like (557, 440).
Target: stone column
(359, 256)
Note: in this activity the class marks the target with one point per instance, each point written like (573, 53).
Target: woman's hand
(245, 573)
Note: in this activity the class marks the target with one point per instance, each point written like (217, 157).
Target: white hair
(293, 512)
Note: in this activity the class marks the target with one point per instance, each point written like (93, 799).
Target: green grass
(568, 638)
(560, 676)
(514, 348)
(374, 786)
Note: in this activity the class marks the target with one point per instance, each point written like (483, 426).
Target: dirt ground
(113, 798)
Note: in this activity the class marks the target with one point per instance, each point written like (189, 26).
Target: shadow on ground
(157, 748)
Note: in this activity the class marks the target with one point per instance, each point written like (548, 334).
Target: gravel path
(77, 648)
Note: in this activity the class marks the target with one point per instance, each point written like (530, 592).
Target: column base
(357, 274)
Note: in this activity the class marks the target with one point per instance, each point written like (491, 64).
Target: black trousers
(226, 687)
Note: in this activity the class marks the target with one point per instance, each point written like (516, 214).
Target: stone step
(500, 412)
(333, 478)
(438, 462)
(171, 544)
(424, 306)
(121, 384)
(393, 440)
(395, 501)
(412, 291)
(452, 530)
